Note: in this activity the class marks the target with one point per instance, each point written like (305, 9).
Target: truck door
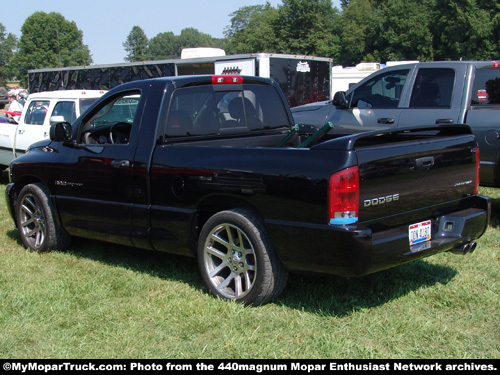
(375, 102)
(31, 126)
(94, 182)
(483, 116)
(436, 96)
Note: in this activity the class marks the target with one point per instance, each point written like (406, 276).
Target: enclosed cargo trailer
(303, 79)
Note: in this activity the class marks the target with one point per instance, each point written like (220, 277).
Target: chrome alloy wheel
(32, 221)
(230, 261)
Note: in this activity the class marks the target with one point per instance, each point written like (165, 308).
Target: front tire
(237, 260)
(35, 219)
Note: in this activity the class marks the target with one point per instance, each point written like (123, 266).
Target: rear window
(202, 110)
(486, 87)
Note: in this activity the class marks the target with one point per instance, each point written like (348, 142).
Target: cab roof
(67, 94)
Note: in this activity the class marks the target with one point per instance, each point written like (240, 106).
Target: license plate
(419, 232)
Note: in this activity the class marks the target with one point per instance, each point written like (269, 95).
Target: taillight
(478, 163)
(229, 79)
(343, 197)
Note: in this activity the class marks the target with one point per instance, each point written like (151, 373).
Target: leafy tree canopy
(136, 45)
(165, 45)
(370, 30)
(253, 30)
(48, 40)
(7, 46)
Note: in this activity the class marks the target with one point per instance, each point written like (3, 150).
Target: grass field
(103, 301)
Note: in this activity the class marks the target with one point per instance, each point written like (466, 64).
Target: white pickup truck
(39, 113)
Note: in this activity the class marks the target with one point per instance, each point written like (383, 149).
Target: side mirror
(339, 100)
(61, 132)
(56, 119)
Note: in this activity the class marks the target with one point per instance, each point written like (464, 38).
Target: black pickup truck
(213, 167)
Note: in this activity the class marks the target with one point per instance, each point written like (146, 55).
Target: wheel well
(211, 205)
(18, 186)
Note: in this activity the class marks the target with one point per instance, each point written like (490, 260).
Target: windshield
(203, 110)
(121, 110)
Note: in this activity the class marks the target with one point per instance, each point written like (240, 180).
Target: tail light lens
(478, 163)
(343, 197)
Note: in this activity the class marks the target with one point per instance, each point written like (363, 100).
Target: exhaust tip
(472, 247)
(466, 248)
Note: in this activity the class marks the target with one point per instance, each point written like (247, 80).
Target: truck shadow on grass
(325, 295)
(338, 296)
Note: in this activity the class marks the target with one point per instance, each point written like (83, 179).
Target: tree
(381, 30)
(401, 31)
(164, 46)
(240, 19)
(465, 29)
(136, 45)
(191, 37)
(48, 40)
(359, 18)
(7, 45)
(253, 30)
(306, 26)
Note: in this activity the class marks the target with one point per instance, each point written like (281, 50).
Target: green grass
(99, 300)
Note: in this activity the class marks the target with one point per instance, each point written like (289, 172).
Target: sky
(106, 23)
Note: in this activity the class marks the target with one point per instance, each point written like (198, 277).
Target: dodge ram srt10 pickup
(214, 167)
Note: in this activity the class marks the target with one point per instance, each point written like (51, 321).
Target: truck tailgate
(406, 175)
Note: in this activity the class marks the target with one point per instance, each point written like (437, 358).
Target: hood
(312, 114)
(39, 144)
(311, 106)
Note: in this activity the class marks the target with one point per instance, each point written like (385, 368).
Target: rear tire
(36, 221)
(237, 260)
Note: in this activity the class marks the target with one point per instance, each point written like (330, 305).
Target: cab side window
(382, 91)
(112, 121)
(36, 112)
(486, 88)
(433, 88)
(65, 111)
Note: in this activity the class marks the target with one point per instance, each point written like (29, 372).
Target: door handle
(385, 120)
(425, 162)
(444, 121)
(120, 163)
